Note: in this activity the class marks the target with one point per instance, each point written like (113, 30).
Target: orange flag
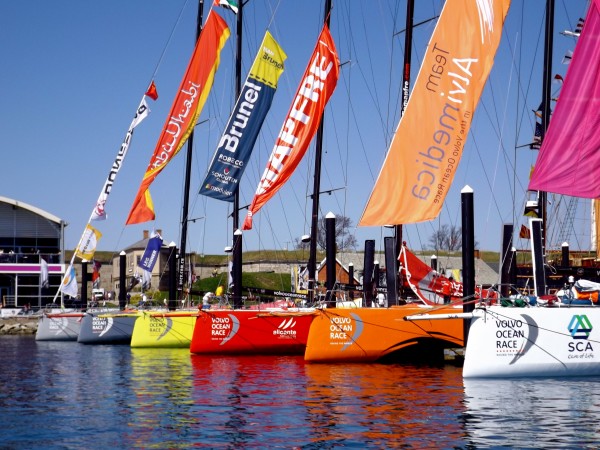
(429, 141)
(190, 99)
(299, 127)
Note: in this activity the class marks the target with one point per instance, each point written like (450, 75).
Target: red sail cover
(431, 286)
(569, 159)
(301, 123)
(190, 99)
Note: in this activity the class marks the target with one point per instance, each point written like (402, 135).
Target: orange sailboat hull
(372, 334)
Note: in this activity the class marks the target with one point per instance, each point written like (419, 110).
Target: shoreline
(11, 326)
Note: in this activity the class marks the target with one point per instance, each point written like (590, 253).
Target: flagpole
(98, 212)
(312, 256)
(237, 235)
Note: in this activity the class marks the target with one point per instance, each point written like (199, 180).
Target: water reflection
(384, 405)
(533, 413)
(68, 395)
(315, 405)
(161, 382)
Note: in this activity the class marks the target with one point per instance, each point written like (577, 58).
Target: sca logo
(580, 327)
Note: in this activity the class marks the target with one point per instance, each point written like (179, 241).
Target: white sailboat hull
(533, 342)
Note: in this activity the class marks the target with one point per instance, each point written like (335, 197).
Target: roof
(33, 209)
(142, 244)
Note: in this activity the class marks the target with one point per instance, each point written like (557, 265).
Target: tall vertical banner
(299, 127)
(186, 109)
(569, 160)
(429, 141)
(238, 139)
(141, 113)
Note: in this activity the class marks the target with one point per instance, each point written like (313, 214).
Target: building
(31, 240)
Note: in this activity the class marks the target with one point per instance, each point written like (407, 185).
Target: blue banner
(238, 139)
(151, 253)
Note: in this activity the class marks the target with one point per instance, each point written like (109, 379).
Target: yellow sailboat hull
(154, 329)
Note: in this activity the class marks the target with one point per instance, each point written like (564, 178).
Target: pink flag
(569, 159)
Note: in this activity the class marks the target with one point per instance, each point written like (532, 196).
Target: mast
(410, 7)
(538, 241)
(312, 256)
(546, 95)
(186, 188)
(237, 236)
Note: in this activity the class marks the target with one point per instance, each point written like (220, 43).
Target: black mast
(410, 7)
(312, 256)
(546, 95)
(186, 188)
(237, 235)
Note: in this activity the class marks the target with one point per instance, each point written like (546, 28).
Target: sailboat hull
(275, 332)
(59, 327)
(538, 341)
(164, 330)
(107, 328)
(374, 334)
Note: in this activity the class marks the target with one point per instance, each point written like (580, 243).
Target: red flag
(524, 232)
(299, 127)
(152, 92)
(186, 108)
(96, 274)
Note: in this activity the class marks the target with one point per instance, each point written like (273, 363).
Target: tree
(343, 239)
(448, 238)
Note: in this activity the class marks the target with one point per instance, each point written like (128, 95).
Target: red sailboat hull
(266, 332)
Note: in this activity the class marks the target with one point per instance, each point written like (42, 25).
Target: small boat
(164, 329)
(272, 331)
(556, 340)
(107, 328)
(554, 335)
(380, 334)
(59, 326)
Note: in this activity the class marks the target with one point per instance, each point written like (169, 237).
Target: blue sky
(74, 72)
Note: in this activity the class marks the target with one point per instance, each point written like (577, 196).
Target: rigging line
(390, 75)
(499, 151)
(273, 12)
(346, 165)
(162, 55)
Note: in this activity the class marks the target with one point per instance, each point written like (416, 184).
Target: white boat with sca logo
(556, 335)
(533, 341)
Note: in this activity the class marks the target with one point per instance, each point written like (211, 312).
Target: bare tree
(343, 239)
(447, 238)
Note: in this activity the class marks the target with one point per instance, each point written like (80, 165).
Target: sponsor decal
(223, 328)
(580, 329)
(345, 331)
(286, 329)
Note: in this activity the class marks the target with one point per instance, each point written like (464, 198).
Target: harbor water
(56, 395)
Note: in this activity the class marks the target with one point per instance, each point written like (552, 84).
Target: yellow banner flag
(88, 243)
